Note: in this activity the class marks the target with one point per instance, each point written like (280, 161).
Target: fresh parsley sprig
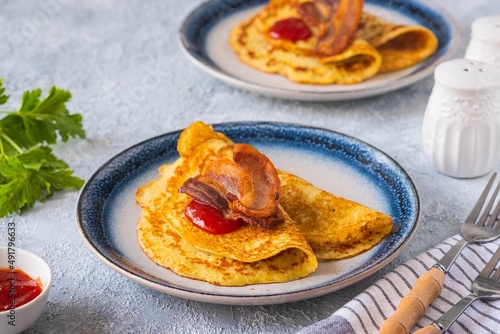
(29, 171)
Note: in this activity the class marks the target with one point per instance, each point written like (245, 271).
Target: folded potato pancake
(317, 225)
(248, 243)
(245, 256)
(162, 244)
(358, 62)
(336, 228)
(401, 46)
(380, 46)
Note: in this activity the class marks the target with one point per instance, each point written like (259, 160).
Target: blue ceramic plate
(204, 39)
(108, 214)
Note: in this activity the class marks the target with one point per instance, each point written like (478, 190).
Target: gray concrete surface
(104, 52)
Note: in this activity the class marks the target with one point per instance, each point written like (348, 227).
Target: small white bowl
(25, 315)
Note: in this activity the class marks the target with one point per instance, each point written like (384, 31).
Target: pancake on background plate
(297, 60)
(275, 249)
(334, 42)
(400, 46)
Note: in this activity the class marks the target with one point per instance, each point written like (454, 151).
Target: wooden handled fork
(428, 286)
(483, 287)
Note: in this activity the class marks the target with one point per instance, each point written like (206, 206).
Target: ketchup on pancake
(293, 29)
(209, 219)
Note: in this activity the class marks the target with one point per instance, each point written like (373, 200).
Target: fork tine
(480, 202)
(490, 266)
(494, 215)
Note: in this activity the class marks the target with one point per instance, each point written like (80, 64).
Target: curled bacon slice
(246, 187)
(315, 12)
(337, 21)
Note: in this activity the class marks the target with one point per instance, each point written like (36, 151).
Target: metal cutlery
(428, 286)
(483, 287)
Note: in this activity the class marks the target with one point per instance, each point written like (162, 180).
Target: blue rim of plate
(198, 23)
(378, 167)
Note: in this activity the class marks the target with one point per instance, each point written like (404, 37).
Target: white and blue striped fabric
(367, 312)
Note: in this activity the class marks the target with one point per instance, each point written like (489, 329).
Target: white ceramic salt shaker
(461, 126)
(484, 42)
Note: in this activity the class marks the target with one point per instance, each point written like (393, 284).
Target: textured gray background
(129, 79)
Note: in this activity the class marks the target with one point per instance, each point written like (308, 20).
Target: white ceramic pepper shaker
(461, 126)
(484, 42)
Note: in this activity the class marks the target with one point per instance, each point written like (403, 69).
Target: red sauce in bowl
(17, 288)
(210, 219)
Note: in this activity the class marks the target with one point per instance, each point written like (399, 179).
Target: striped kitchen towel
(366, 312)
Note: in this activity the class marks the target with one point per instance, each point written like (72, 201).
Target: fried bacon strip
(246, 187)
(337, 21)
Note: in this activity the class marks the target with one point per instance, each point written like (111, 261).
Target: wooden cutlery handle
(412, 307)
(428, 330)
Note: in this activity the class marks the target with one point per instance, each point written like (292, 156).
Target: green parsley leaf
(52, 170)
(3, 97)
(42, 121)
(29, 171)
